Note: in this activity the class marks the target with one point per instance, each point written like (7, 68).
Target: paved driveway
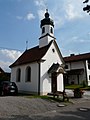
(21, 108)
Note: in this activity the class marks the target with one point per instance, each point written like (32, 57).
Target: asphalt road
(22, 108)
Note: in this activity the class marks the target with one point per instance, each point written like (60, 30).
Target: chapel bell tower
(47, 30)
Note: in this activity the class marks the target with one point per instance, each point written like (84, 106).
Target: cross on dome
(46, 14)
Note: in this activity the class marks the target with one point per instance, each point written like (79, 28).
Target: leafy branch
(87, 8)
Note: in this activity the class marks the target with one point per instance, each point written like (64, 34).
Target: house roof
(31, 55)
(53, 68)
(79, 57)
(56, 68)
(75, 71)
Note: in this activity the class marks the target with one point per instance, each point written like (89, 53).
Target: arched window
(18, 76)
(28, 74)
(43, 30)
(51, 30)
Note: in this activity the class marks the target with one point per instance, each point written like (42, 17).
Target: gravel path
(22, 108)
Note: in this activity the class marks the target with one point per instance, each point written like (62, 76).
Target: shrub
(78, 92)
(84, 84)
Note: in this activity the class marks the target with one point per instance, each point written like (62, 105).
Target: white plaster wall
(75, 65)
(50, 57)
(88, 73)
(13, 74)
(60, 84)
(23, 85)
(47, 30)
(44, 41)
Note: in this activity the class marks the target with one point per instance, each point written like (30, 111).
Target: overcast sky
(20, 22)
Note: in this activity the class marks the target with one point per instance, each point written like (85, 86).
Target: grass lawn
(50, 98)
(45, 97)
(77, 86)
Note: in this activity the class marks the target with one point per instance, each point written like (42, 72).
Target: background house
(1, 70)
(4, 75)
(39, 70)
(78, 69)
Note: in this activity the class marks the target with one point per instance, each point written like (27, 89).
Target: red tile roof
(79, 57)
(31, 55)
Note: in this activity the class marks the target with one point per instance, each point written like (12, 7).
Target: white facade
(47, 29)
(39, 78)
(78, 72)
(50, 58)
(88, 72)
(40, 81)
(23, 85)
(45, 41)
(47, 34)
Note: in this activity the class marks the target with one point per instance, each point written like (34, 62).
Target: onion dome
(47, 20)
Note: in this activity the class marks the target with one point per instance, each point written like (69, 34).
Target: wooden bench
(60, 94)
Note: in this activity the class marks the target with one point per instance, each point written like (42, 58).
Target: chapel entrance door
(54, 82)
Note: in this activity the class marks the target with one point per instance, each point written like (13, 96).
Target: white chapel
(39, 70)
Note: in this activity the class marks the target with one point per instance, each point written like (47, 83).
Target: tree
(87, 8)
(86, 1)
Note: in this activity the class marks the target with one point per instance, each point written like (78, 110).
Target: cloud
(41, 14)
(41, 4)
(70, 12)
(19, 17)
(72, 52)
(73, 10)
(29, 16)
(61, 11)
(80, 39)
(68, 52)
(5, 65)
(10, 54)
(7, 57)
(89, 33)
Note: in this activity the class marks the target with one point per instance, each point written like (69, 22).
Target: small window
(51, 30)
(28, 74)
(89, 77)
(53, 50)
(88, 61)
(43, 30)
(66, 66)
(89, 66)
(18, 75)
